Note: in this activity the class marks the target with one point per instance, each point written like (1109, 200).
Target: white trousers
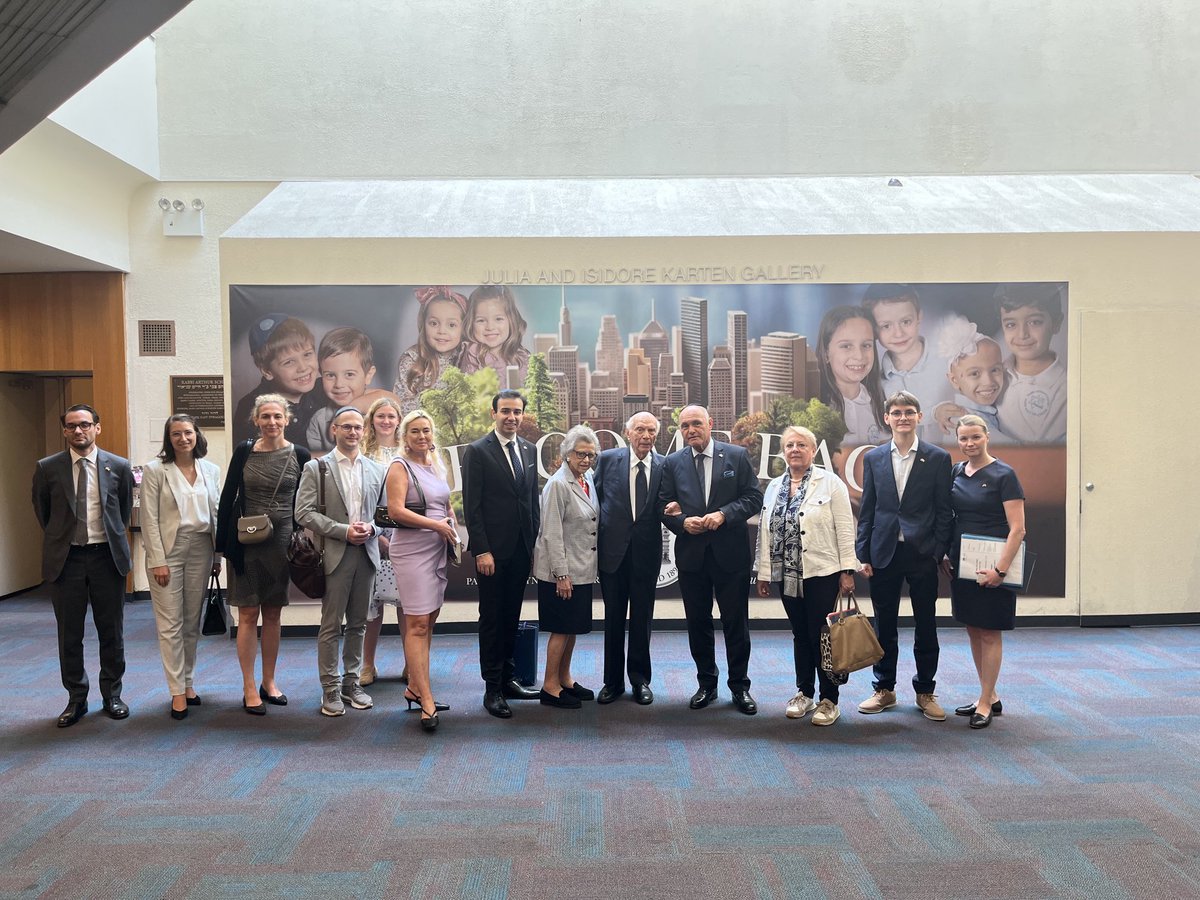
(177, 606)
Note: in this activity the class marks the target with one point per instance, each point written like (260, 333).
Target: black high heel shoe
(260, 710)
(414, 700)
(274, 700)
(429, 723)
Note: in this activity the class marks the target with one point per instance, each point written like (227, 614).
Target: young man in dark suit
(500, 502)
(709, 491)
(83, 498)
(627, 484)
(904, 530)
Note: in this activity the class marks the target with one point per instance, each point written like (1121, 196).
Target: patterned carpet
(1087, 787)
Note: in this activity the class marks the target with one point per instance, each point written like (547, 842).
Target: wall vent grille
(156, 338)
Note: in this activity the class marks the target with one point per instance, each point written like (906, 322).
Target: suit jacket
(733, 490)
(54, 506)
(498, 514)
(566, 542)
(334, 525)
(617, 526)
(160, 507)
(924, 516)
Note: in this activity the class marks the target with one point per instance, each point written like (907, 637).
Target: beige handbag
(254, 529)
(852, 641)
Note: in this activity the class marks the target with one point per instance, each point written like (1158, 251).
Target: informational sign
(200, 396)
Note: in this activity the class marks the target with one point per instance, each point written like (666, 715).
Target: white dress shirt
(633, 477)
(706, 480)
(902, 468)
(95, 517)
(350, 474)
(192, 500)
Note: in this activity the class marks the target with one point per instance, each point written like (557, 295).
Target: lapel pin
(920, 459)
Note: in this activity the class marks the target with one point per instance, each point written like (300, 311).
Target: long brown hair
(427, 367)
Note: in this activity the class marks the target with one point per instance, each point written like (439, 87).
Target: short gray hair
(580, 434)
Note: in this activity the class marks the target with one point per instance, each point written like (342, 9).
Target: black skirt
(564, 616)
(992, 608)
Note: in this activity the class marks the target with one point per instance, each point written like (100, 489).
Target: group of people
(378, 503)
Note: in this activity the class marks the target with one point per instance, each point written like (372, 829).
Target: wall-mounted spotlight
(895, 182)
(180, 220)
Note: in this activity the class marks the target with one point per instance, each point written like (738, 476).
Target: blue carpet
(1087, 787)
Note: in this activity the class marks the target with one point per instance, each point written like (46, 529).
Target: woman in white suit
(806, 547)
(180, 490)
(565, 563)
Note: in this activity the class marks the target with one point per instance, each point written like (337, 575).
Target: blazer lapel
(336, 477)
(166, 470)
(68, 474)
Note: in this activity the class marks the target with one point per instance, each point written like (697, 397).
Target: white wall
(291, 89)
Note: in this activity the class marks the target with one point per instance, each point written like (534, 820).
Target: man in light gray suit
(353, 485)
(83, 498)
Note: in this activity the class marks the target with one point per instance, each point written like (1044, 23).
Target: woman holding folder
(987, 500)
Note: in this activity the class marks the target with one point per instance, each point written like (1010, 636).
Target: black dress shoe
(969, 709)
(745, 703)
(514, 690)
(642, 694)
(116, 708)
(978, 721)
(275, 699)
(259, 710)
(564, 700)
(194, 701)
(609, 693)
(72, 714)
(494, 703)
(178, 714)
(579, 692)
(702, 698)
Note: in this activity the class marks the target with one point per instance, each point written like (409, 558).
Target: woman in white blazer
(180, 491)
(806, 547)
(565, 564)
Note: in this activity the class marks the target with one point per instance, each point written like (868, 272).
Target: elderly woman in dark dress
(262, 480)
(987, 500)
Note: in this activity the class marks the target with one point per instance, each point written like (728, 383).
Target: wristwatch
(998, 572)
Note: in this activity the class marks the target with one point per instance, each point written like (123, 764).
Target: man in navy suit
(500, 502)
(708, 492)
(904, 530)
(83, 498)
(627, 485)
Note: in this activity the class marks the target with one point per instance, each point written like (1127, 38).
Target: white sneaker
(799, 706)
(827, 713)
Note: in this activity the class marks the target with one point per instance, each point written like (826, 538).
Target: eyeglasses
(903, 413)
(583, 454)
(349, 427)
(79, 426)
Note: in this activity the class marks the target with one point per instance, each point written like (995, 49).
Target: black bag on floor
(525, 653)
(213, 621)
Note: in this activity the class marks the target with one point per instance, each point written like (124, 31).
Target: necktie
(515, 460)
(641, 487)
(700, 476)
(81, 496)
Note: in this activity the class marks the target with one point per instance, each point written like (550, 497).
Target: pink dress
(418, 554)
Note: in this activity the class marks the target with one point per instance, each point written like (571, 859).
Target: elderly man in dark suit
(904, 529)
(500, 502)
(709, 491)
(627, 484)
(83, 498)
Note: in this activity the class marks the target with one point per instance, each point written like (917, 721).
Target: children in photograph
(495, 330)
(439, 339)
(347, 364)
(284, 351)
(1034, 408)
(976, 371)
(850, 374)
(906, 360)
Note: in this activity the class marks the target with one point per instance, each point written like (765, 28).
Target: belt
(90, 548)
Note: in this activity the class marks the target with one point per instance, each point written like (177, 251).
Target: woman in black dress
(987, 500)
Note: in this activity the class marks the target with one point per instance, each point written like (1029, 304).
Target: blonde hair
(800, 430)
(411, 417)
(370, 442)
(971, 419)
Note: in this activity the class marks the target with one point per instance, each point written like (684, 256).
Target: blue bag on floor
(525, 653)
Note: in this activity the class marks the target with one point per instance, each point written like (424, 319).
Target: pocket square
(728, 474)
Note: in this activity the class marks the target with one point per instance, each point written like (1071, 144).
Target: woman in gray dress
(262, 480)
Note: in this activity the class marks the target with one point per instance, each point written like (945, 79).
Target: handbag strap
(846, 606)
(322, 468)
(412, 479)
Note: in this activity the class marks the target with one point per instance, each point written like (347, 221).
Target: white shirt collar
(633, 460)
(707, 451)
(896, 450)
(342, 457)
(75, 457)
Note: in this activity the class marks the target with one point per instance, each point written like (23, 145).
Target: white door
(1139, 530)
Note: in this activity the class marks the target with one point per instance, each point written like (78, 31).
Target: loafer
(702, 698)
(609, 693)
(495, 704)
(259, 710)
(116, 708)
(745, 703)
(72, 714)
(514, 690)
(643, 695)
(978, 721)
(563, 701)
(273, 699)
(178, 714)
(579, 692)
(194, 701)
(968, 709)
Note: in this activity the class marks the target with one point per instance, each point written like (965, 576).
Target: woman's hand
(846, 583)
(563, 587)
(445, 527)
(162, 575)
(764, 588)
(988, 578)
(384, 544)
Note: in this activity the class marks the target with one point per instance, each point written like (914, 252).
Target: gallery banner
(758, 356)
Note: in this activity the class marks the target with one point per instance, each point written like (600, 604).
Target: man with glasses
(83, 498)
(353, 486)
(904, 529)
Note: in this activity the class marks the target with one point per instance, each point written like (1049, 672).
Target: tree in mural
(461, 410)
(539, 395)
(745, 432)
